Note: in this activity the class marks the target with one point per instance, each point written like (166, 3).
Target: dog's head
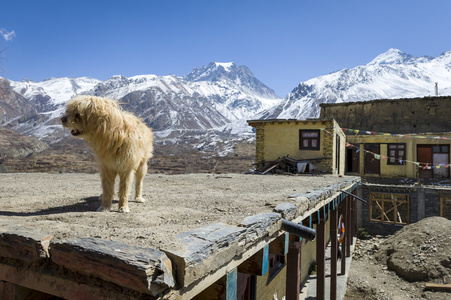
(86, 115)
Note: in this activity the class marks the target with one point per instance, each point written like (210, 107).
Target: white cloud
(7, 35)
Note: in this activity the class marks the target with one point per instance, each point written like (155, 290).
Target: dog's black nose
(64, 119)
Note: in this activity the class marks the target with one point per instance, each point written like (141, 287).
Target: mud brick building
(401, 149)
(316, 145)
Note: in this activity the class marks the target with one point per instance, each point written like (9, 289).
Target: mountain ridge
(391, 75)
(222, 94)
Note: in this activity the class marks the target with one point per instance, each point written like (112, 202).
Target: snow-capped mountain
(390, 75)
(54, 92)
(220, 96)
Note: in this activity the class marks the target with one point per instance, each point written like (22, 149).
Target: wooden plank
(280, 245)
(321, 259)
(257, 264)
(7, 290)
(333, 253)
(293, 282)
(231, 285)
(276, 165)
(438, 286)
(56, 286)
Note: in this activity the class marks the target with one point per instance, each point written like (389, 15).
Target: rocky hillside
(17, 146)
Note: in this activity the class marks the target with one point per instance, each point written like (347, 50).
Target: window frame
(309, 139)
(393, 203)
(275, 264)
(397, 158)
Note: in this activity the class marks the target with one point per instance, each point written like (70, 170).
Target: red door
(424, 155)
(372, 162)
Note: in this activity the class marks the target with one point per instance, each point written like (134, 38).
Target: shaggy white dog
(121, 142)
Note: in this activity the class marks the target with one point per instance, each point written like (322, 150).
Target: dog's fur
(121, 142)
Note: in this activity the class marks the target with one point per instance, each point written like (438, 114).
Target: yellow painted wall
(408, 169)
(280, 138)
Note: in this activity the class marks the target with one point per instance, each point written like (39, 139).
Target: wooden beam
(333, 253)
(56, 286)
(7, 290)
(257, 264)
(280, 245)
(293, 282)
(231, 285)
(343, 244)
(348, 226)
(438, 286)
(321, 259)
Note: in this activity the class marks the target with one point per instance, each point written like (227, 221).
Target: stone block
(261, 225)
(143, 269)
(206, 249)
(287, 210)
(23, 243)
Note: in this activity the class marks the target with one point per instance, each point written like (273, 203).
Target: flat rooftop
(64, 206)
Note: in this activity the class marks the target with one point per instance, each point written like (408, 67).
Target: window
(389, 208)
(276, 263)
(396, 154)
(309, 139)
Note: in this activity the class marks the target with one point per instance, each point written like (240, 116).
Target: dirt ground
(397, 267)
(64, 205)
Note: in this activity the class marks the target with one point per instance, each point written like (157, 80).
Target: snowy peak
(232, 75)
(397, 57)
(215, 71)
(53, 92)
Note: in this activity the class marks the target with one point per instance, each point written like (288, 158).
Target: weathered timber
(257, 264)
(438, 286)
(142, 269)
(52, 285)
(23, 243)
(280, 245)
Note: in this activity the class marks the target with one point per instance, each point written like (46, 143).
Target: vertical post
(359, 209)
(293, 282)
(353, 218)
(333, 253)
(343, 244)
(348, 226)
(321, 259)
(231, 285)
(421, 204)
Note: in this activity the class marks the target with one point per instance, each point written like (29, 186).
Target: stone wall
(413, 115)
(424, 202)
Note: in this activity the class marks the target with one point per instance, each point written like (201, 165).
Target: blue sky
(282, 42)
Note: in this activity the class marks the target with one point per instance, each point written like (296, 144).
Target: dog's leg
(124, 190)
(139, 176)
(108, 178)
